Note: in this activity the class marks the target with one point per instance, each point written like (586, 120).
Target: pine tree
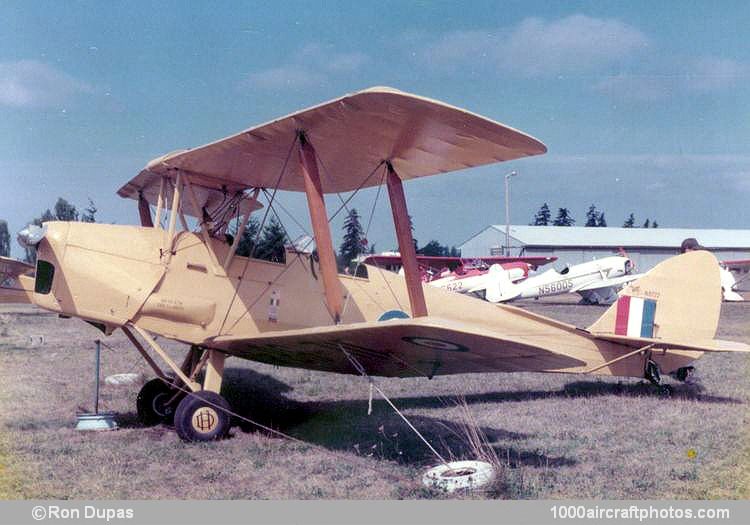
(543, 216)
(89, 213)
(271, 245)
(654, 224)
(563, 218)
(65, 211)
(433, 248)
(351, 244)
(245, 246)
(601, 222)
(592, 217)
(647, 224)
(4, 239)
(629, 222)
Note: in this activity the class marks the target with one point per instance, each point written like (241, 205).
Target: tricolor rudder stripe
(635, 316)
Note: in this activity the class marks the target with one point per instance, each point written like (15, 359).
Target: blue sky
(644, 106)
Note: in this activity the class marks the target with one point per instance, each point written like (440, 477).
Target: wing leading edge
(420, 137)
(398, 348)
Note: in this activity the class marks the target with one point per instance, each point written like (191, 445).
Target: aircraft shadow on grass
(345, 425)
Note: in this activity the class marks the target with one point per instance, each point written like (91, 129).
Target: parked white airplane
(729, 284)
(597, 282)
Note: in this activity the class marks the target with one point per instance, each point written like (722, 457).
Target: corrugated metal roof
(616, 237)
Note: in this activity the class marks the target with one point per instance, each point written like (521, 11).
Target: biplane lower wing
(613, 282)
(398, 348)
(16, 281)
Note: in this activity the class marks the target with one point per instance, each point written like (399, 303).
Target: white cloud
(29, 83)
(313, 65)
(645, 88)
(284, 77)
(702, 75)
(714, 73)
(574, 43)
(539, 48)
(721, 171)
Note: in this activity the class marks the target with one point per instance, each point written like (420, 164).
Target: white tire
(458, 475)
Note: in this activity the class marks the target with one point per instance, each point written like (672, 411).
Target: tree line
(269, 244)
(594, 218)
(62, 211)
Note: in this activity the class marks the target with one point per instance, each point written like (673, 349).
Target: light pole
(507, 210)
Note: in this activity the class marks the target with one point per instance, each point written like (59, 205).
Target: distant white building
(574, 245)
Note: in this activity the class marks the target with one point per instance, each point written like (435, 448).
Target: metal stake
(96, 379)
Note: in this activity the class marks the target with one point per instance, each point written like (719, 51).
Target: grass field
(556, 436)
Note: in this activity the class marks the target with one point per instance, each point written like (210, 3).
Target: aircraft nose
(31, 235)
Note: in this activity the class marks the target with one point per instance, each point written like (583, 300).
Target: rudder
(680, 299)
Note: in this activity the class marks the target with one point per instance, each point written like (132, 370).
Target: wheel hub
(205, 420)
(161, 406)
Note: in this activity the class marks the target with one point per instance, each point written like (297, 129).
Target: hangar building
(575, 244)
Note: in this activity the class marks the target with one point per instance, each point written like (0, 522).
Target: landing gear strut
(653, 374)
(198, 411)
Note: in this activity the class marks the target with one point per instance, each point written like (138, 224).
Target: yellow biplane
(189, 284)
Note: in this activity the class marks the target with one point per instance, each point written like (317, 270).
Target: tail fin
(500, 288)
(679, 299)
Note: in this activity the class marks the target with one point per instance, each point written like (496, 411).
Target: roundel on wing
(393, 314)
(435, 344)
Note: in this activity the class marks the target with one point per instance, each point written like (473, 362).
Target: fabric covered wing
(615, 282)
(398, 348)
(352, 136)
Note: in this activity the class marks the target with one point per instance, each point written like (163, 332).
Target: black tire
(153, 403)
(202, 416)
(666, 390)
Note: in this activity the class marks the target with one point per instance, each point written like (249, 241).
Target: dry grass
(554, 436)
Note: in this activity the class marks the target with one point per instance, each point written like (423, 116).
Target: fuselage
(478, 279)
(114, 275)
(552, 282)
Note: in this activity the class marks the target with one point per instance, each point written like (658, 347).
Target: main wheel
(202, 416)
(153, 402)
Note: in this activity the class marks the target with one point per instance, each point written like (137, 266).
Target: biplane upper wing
(398, 348)
(352, 136)
(452, 262)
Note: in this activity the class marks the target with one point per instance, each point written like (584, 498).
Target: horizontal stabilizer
(710, 345)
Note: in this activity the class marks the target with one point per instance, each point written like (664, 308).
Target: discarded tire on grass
(457, 475)
(123, 379)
